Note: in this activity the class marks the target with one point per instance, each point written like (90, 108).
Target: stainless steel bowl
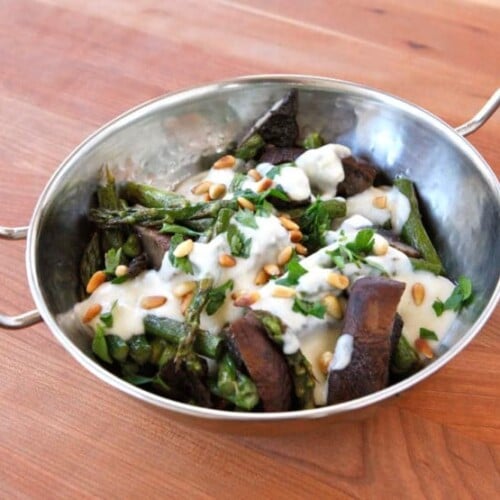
(172, 137)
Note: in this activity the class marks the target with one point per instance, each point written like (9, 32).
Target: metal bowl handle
(28, 318)
(480, 118)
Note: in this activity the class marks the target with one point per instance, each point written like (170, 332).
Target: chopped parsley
(428, 334)
(246, 218)
(354, 252)
(112, 260)
(239, 245)
(309, 308)
(182, 263)
(99, 344)
(107, 318)
(294, 272)
(460, 297)
(217, 296)
(237, 181)
(314, 223)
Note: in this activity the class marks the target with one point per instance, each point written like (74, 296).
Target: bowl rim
(183, 95)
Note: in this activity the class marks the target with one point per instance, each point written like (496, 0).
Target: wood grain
(68, 66)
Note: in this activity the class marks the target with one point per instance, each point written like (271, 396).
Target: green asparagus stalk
(250, 147)
(313, 140)
(222, 222)
(140, 349)
(174, 332)
(404, 359)
(91, 260)
(233, 385)
(108, 200)
(425, 265)
(117, 348)
(414, 232)
(132, 247)
(193, 313)
(152, 197)
(301, 369)
(157, 216)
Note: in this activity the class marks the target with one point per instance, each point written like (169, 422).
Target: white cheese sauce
(323, 167)
(396, 207)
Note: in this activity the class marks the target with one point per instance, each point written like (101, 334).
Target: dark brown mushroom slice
(369, 319)
(155, 244)
(276, 156)
(278, 125)
(396, 243)
(359, 175)
(263, 360)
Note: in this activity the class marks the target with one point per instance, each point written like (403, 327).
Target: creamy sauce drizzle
(321, 169)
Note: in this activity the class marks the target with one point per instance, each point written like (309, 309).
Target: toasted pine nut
(380, 246)
(333, 306)
(217, 191)
(423, 347)
(283, 292)
(380, 201)
(226, 260)
(206, 197)
(247, 299)
(183, 249)
(418, 293)
(186, 300)
(121, 270)
(285, 255)
(201, 188)
(288, 224)
(91, 313)
(97, 279)
(296, 236)
(300, 249)
(262, 278)
(264, 184)
(338, 280)
(184, 288)
(255, 174)
(153, 301)
(272, 269)
(227, 161)
(324, 361)
(244, 203)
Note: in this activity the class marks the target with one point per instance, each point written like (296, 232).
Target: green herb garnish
(182, 263)
(99, 344)
(246, 218)
(237, 181)
(217, 296)
(459, 298)
(428, 334)
(294, 272)
(112, 260)
(239, 245)
(309, 308)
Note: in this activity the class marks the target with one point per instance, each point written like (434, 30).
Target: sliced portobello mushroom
(276, 156)
(368, 327)
(278, 125)
(395, 242)
(263, 361)
(359, 176)
(155, 244)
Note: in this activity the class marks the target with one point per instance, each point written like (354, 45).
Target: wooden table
(68, 66)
